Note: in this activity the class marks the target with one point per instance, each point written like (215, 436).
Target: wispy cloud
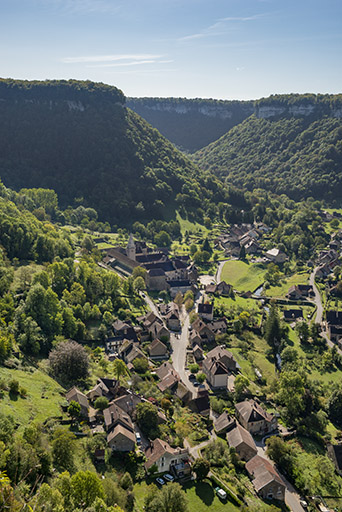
(111, 58)
(133, 63)
(221, 26)
(85, 6)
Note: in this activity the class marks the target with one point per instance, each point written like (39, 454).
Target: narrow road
(317, 299)
(292, 498)
(319, 311)
(179, 343)
(219, 270)
(150, 304)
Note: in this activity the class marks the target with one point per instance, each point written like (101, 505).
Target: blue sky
(226, 49)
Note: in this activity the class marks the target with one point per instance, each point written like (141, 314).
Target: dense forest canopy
(92, 151)
(300, 156)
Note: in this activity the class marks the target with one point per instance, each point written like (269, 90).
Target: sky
(223, 49)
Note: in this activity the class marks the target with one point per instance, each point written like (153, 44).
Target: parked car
(221, 493)
(196, 383)
(168, 477)
(192, 376)
(138, 438)
(303, 503)
(160, 481)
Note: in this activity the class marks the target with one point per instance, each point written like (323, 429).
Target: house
(335, 454)
(220, 353)
(179, 286)
(128, 402)
(203, 331)
(254, 418)
(76, 395)
(107, 387)
(99, 455)
(334, 321)
(293, 314)
(240, 439)
(164, 369)
(206, 311)
(219, 289)
(157, 349)
(201, 404)
(171, 315)
(266, 480)
(300, 291)
(217, 366)
(120, 429)
(121, 439)
(198, 352)
(195, 339)
(218, 326)
(276, 255)
(165, 458)
(224, 423)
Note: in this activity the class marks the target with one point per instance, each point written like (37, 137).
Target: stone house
(165, 458)
(254, 418)
(240, 439)
(120, 429)
(75, 395)
(217, 366)
(266, 480)
(276, 256)
(157, 349)
(206, 311)
(224, 423)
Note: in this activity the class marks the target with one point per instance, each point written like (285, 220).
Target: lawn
(283, 288)
(191, 227)
(201, 498)
(44, 396)
(243, 276)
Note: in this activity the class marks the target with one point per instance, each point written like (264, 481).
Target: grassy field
(201, 498)
(44, 396)
(243, 276)
(191, 227)
(283, 288)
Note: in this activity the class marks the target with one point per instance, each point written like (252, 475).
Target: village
(182, 347)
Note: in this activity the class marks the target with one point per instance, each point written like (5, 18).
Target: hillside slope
(292, 145)
(79, 139)
(191, 124)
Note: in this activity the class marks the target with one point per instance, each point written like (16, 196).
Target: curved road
(319, 311)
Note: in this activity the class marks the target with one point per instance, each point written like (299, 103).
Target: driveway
(219, 270)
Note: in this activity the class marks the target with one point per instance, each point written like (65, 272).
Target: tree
(201, 377)
(126, 481)
(240, 384)
(178, 299)
(119, 369)
(163, 239)
(171, 498)
(147, 416)
(101, 403)
(63, 449)
(86, 487)
(69, 361)
(140, 364)
(139, 284)
(242, 254)
(273, 332)
(74, 410)
(335, 407)
(201, 467)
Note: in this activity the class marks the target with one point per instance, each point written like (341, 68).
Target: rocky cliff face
(193, 124)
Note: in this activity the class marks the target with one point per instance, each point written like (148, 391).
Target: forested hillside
(191, 124)
(293, 147)
(78, 139)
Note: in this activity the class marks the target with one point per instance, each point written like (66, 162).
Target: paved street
(319, 311)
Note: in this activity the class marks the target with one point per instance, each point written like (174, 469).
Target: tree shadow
(205, 492)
